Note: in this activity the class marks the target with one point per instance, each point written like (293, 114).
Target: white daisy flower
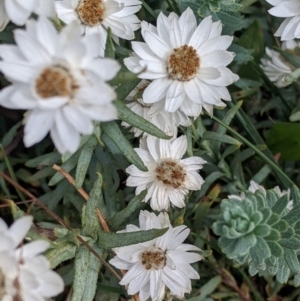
(186, 63)
(161, 263)
(24, 274)
(169, 178)
(289, 9)
(276, 67)
(155, 113)
(61, 86)
(95, 16)
(19, 11)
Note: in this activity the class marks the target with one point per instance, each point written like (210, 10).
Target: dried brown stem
(82, 193)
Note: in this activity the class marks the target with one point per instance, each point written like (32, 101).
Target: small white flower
(62, 87)
(24, 273)
(19, 11)
(169, 178)
(289, 9)
(254, 187)
(186, 63)
(155, 113)
(276, 68)
(95, 16)
(161, 263)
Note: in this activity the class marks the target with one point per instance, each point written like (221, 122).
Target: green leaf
(207, 289)
(252, 38)
(291, 243)
(293, 59)
(262, 230)
(125, 89)
(112, 130)
(281, 204)
(67, 166)
(9, 136)
(116, 221)
(292, 260)
(90, 222)
(47, 159)
(284, 138)
(123, 77)
(115, 240)
(215, 145)
(87, 267)
(84, 161)
(213, 136)
(63, 251)
(275, 248)
(125, 114)
(109, 47)
(293, 216)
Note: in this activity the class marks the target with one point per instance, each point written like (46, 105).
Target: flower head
(58, 82)
(19, 11)
(155, 113)
(161, 263)
(24, 274)
(276, 67)
(186, 63)
(95, 16)
(169, 178)
(290, 10)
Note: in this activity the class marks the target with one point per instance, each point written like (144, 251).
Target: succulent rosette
(262, 230)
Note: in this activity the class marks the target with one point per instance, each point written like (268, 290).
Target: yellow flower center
(183, 63)
(170, 173)
(154, 259)
(91, 12)
(55, 81)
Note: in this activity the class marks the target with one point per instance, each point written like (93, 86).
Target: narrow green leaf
(207, 289)
(213, 136)
(48, 159)
(67, 166)
(114, 150)
(125, 89)
(114, 240)
(112, 130)
(90, 222)
(123, 77)
(125, 114)
(87, 267)
(9, 136)
(109, 47)
(290, 57)
(116, 221)
(215, 145)
(63, 251)
(84, 161)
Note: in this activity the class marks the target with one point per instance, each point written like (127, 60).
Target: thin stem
(259, 153)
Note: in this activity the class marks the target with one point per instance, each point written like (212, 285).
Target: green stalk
(274, 166)
(149, 9)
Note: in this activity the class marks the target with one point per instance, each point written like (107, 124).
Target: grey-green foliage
(225, 10)
(261, 232)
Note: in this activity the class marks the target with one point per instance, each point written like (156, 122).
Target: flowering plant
(129, 133)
